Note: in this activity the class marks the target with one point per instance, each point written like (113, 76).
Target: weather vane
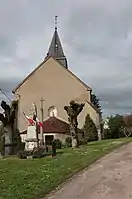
(56, 22)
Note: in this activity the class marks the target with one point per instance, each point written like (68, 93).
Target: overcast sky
(96, 36)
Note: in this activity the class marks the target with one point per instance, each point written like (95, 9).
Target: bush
(22, 146)
(39, 152)
(116, 125)
(83, 141)
(16, 139)
(58, 144)
(35, 153)
(90, 130)
(68, 142)
(22, 154)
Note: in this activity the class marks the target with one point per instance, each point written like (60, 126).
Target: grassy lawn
(30, 179)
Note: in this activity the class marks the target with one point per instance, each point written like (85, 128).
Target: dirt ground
(108, 178)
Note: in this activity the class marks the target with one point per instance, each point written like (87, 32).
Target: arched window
(52, 111)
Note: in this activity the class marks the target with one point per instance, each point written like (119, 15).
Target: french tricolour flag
(39, 123)
(34, 120)
(30, 120)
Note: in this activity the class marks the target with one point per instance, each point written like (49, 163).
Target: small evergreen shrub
(83, 141)
(22, 146)
(68, 142)
(22, 154)
(39, 152)
(90, 130)
(35, 153)
(58, 144)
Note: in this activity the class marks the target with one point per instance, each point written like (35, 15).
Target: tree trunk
(74, 136)
(8, 141)
(2, 141)
(99, 134)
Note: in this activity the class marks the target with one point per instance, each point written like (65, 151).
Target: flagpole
(37, 134)
(36, 126)
(42, 119)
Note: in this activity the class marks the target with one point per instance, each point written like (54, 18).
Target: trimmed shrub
(68, 142)
(22, 154)
(58, 144)
(83, 141)
(39, 152)
(35, 153)
(22, 146)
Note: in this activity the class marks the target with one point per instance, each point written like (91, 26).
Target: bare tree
(73, 110)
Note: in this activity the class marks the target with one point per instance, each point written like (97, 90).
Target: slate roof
(56, 50)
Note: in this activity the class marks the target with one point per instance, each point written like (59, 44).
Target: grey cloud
(118, 99)
(8, 84)
(7, 87)
(101, 35)
(97, 39)
(20, 19)
(92, 30)
(7, 46)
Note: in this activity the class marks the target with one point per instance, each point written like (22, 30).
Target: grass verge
(31, 179)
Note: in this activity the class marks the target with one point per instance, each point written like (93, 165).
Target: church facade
(57, 85)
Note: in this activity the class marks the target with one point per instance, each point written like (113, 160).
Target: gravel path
(108, 178)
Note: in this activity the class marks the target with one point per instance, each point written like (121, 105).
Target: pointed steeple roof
(56, 50)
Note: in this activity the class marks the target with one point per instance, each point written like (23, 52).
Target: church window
(52, 111)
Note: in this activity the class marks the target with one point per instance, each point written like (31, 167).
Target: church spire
(55, 49)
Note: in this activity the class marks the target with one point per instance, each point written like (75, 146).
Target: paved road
(108, 178)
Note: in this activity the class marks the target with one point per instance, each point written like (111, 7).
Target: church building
(53, 82)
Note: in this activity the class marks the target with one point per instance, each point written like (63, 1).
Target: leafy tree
(96, 102)
(116, 126)
(128, 125)
(89, 128)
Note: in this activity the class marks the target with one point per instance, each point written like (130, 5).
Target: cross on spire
(56, 22)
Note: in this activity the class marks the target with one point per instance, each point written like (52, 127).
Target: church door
(49, 139)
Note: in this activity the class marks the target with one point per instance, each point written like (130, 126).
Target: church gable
(51, 71)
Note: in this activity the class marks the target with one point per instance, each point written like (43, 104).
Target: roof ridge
(14, 90)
